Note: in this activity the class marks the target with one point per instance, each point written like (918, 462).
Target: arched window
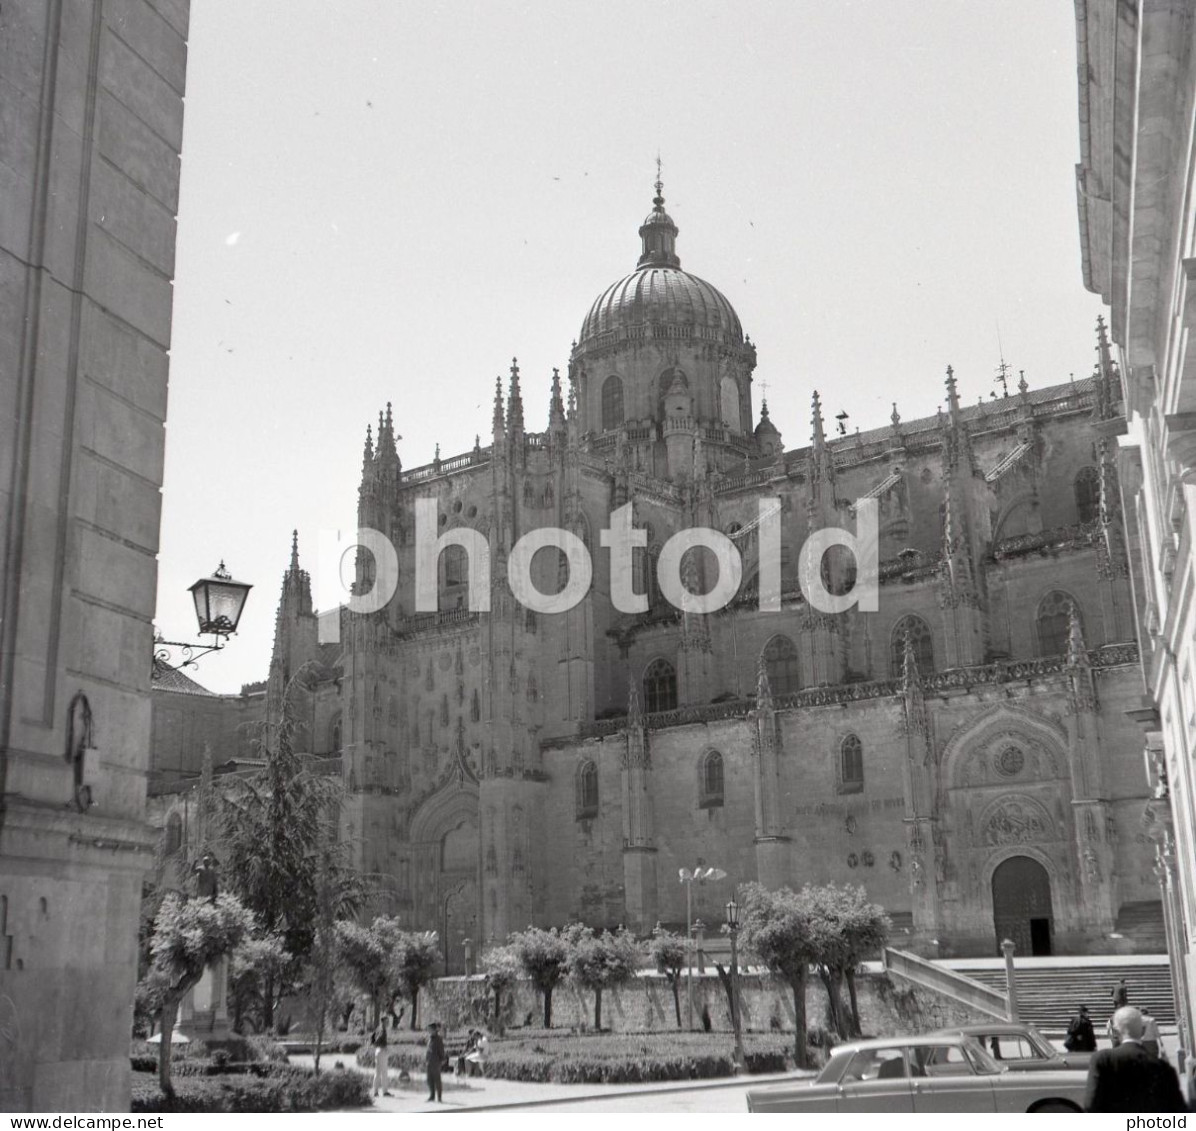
(334, 735)
(174, 834)
(780, 662)
(851, 765)
(920, 638)
(710, 787)
(1087, 487)
(660, 687)
(587, 790)
(455, 594)
(612, 404)
(1053, 622)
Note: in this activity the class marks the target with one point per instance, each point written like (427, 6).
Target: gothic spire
(294, 551)
(1077, 653)
(635, 715)
(515, 401)
(952, 395)
(819, 432)
(500, 420)
(1106, 391)
(368, 456)
(763, 690)
(556, 406)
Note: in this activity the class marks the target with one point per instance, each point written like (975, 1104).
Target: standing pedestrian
(1121, 995)
(1128, 1078)
(381, 1058)
(435, 1060)
(1081, 1037)
(1151, 1041)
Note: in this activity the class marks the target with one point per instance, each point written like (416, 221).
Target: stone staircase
(1050, 990)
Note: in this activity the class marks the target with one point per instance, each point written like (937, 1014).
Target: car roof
(900, 1042)
(995, 1027)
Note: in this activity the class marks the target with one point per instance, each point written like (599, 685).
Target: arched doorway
(458, 892)
(1022, 905)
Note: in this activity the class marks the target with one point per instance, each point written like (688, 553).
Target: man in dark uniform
(1128, 1078)
(1081, 1037)
(435, 1062)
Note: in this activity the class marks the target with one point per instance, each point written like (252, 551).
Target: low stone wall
(886, 1005)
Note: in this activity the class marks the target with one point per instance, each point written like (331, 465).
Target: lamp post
(733, 931)
(688, 876)
(219, 602)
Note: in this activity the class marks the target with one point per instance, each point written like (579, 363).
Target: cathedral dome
(659, 293)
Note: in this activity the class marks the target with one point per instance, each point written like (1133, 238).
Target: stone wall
(91, 118)
(886, 1005)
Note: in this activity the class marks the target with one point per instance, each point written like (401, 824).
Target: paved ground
(474, 1093)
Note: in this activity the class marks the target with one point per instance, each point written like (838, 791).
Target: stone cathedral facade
(964, 753)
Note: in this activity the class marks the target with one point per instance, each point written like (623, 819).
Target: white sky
(388, 200)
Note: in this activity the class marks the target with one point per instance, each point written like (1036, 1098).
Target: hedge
(608, 1058)
(295, 1089)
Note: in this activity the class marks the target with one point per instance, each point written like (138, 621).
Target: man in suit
(1128, 1078)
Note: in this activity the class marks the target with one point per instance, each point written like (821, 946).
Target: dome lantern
(658, 233)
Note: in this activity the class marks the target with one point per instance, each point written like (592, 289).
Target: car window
(939, 1060)
(1009, 1046)
(875, 1064)
(981, 1060)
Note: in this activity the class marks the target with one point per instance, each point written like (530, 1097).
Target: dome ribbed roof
(663, 295)
(659, 293)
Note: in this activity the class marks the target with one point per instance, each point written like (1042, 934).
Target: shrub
(282, 1088)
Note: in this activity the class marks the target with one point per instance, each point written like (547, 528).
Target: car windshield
(984, 1063)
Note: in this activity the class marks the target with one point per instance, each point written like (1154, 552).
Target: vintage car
(1021, 1047)
(939, 1072)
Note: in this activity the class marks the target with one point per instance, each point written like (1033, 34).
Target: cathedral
(965, 752)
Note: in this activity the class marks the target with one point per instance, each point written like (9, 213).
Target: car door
(944, 1080)
(876, 1080)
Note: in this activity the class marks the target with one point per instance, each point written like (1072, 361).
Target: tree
(827, 927)
(367, 954)
(413, 960)
(259, 962)
(271, 828)
(776, 927)
(189, 935)
(503, 970)
(544, 956)
(322, 962)
(668, 951)
(600, 962)
(866, 927)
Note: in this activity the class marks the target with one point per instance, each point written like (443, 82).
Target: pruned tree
(413, 961)
(601, 962)
(776, 927)
(503, 970)
(544, 956)
(189, 935)
(866, 927)
(668, 951)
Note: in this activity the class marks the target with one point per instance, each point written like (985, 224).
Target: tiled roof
(164, 677)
